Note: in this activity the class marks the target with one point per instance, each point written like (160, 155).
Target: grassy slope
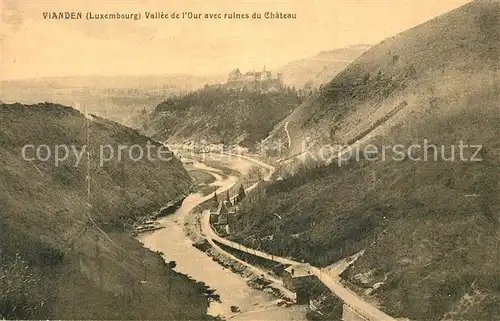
(437, 63)
(43, 218)
(435, 248)
(218, 115)
(432, 242)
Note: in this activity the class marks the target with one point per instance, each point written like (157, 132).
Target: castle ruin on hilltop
(255, 81)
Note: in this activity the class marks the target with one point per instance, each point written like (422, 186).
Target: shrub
(19, 295)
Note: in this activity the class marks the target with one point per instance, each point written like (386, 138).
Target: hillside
(430, 227)
(217, 115)
(429, 68)
(66, 246)
(314, 71)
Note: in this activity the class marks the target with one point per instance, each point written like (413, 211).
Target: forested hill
(218, 115)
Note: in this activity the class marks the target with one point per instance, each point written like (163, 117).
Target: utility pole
(170, 281)
(373, 179)
(277, 224)
(145, 266)
(98, 258)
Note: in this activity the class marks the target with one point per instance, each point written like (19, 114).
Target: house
(215, 213)
(215, 148)
(186, 161)
(240, 150)
(223, 214)
(299, 279)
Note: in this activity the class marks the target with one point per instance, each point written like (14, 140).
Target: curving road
(288, 135)
(270, 168)
(348, 296)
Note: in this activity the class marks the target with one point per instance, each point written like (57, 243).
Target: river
(232, 288)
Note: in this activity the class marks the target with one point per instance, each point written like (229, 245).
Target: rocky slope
(65, 245)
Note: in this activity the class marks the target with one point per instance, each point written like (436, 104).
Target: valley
(358, 183)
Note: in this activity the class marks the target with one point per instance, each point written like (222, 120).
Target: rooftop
(223, 207)
(300, 270)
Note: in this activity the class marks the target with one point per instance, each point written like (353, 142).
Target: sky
(34, 47)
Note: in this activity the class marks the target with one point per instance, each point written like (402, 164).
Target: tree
(254, 174)
(241, 194)
(308, 85)
(215, 200)
(366, 78)
(228, 198)
(172, 264)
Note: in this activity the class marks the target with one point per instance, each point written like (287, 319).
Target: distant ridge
(319, 69)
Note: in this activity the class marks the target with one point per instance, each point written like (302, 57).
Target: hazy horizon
(37, 48)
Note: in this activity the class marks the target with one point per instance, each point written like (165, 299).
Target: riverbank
(282, 307)
(235, 290)
(129, 285)
(256, 276)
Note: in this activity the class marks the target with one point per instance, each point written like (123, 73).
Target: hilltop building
(264, 81)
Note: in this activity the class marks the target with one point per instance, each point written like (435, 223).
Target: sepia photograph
(250, 160)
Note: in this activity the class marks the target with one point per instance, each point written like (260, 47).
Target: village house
(223, 216)
(239, 150)
(299, 278)
(215, 148)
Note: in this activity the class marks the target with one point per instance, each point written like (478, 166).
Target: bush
(19, 295)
